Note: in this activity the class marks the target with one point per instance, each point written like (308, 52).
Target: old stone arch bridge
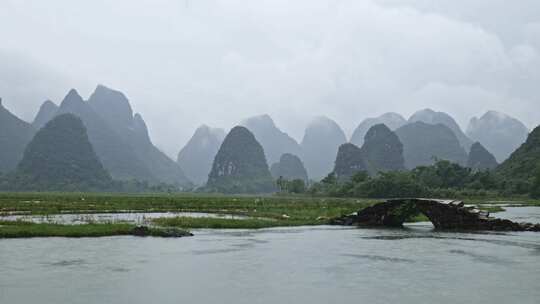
(444, 214)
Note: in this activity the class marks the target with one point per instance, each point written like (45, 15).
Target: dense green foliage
(240, 165)
(480, 158)
(424, 143)
(289, 167)
(382, 150)
(535, 190)
(443, 179)
(15, 134)
(294, 186)
(521, 163)
(60, 158)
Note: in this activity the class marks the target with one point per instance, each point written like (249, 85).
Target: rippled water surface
(285, 265)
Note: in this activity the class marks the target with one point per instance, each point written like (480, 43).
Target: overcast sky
(187, 62)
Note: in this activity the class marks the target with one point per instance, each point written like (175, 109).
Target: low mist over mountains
(391, 120)
(498, 132)
(116, 110)
(424, 143)
(321, 140)
(197, 155)
(382, 151)
(46, 112)
(120, 139)
(274, 141)
(15, 134)
(114, 151)
(431, 117)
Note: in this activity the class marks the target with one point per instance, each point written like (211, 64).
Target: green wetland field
(256, 211)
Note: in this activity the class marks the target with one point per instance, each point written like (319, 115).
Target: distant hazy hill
(320, 144)
(114, 108)
(423, 142)
(274, 141)
(240, 165)
(498, 132)
(480, 158)
(198, 154)
(391, 120)
(46, 112)
(114, 150)
(349, 160)
(290, 167)
(431, 117)
(382, 150)
(524, 162)
(61, 158)
(15, 134)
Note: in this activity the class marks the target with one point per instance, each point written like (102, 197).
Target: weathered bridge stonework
(445, 215)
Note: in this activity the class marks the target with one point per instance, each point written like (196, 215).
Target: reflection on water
(282, 265)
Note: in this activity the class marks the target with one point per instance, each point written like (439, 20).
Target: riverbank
(19, 229)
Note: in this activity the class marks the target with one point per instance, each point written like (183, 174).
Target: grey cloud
(184, 63)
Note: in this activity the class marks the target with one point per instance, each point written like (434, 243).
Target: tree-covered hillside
(240, 165)
(61, 158)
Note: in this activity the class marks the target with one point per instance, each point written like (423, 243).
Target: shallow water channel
(280, 265)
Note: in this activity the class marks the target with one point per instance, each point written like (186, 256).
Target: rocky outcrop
(480, 159)
(321, 141)
(392, 120)
(382, 150)
(445, 215)
(349, 160)
(424, 143)
(289, 167)
(431, 117)
(498, 132)
(240, 165)
(274, 141)
(197, 155)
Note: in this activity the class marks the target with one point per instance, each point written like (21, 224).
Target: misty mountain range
(121, 140)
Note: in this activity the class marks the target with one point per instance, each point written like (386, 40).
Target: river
(283, 265)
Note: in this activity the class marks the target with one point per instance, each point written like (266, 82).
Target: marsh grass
(20, 229)
(222, 223)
